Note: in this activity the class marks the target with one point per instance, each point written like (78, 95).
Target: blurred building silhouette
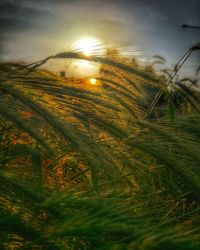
(62, 73)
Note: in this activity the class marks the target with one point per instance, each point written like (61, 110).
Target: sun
(93, 81)
(87, 45)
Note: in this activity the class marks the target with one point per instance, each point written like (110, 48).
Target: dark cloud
(17, 16)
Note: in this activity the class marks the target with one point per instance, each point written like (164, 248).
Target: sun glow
(87, 45)
(93, 81)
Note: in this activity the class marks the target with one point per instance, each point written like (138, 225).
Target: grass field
(113, 165)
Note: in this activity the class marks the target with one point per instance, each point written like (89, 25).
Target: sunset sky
(32, 29)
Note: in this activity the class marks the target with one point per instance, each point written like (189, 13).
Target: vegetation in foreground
(110, 166)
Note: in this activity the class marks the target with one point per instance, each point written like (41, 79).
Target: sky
(31, 29)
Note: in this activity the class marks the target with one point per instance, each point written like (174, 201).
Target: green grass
(93, 167)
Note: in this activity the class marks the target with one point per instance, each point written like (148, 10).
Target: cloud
(38, 27)
(17, 16)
